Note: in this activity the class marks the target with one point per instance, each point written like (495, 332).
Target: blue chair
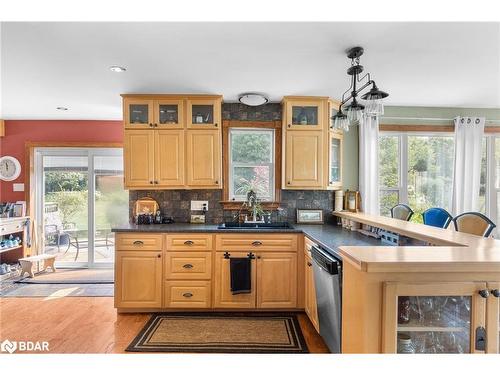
(401, 212)
(474, 223)
(437, 217)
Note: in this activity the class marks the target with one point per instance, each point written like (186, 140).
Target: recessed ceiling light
(252, 99)
(117, 69)
(62, 108)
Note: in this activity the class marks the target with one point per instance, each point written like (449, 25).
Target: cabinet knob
(156, 182)
(159, 255)
(156, 125)
(216, 125)
(484, 293)
(150, 125)
(187, 295)
(309, 264)
(258, 256)
(217, 182)
(151, 182)
(495, 292)
(289, 125)
(288, 182)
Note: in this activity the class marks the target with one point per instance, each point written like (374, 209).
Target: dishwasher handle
(326, 261)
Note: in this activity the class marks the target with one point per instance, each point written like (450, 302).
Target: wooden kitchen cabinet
(304, 160)
(335, 150)
(138, 279)
(204, 113)
(276, 280)
(169, 113)
(138, 113)
(139, 158)
(304, 113)
(435, 317)
(203, 158)
(223, 298)
(169, 158)
(310, 306)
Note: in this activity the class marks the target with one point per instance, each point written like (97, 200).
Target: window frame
(232, 165)
(276, 125)
(402, 189)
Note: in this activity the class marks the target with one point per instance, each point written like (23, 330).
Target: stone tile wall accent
(238, 111)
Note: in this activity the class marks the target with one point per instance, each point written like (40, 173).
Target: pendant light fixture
(354, 111)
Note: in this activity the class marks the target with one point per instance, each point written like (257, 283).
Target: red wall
(17, 132)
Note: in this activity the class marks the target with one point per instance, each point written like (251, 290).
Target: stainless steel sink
(232, 225)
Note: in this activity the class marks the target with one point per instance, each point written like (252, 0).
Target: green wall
(407, 116)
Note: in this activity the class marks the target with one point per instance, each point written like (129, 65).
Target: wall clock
(10, 168)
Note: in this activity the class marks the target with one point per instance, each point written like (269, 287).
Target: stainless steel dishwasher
(327, 269)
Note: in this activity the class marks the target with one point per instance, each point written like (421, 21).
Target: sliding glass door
(80, 197)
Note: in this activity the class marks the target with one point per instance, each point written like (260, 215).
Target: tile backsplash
(176, 203)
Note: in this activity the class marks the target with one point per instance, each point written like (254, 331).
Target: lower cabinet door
(310, 294)
(277, 280)
(223, 297)
(187, 294)
(138, 279)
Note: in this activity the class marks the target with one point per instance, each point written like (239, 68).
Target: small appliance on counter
(147, 212)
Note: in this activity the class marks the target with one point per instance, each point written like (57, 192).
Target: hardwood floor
(88, 324)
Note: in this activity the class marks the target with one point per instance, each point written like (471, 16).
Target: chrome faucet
(252, 203)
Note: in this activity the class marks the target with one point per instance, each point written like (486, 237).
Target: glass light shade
(341, 123)
(354, 115)
(374, 107)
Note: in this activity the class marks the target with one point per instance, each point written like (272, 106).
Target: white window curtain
(368, 165)
(469, 133)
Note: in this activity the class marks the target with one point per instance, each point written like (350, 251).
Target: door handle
(256, 243)
(187, 266)
(187, 295)
(480, 338)
(188, 242)
(495, 292)
(137, 243)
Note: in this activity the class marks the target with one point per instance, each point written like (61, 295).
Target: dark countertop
(328, 236)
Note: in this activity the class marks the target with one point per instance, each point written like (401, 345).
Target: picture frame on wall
(309, 216)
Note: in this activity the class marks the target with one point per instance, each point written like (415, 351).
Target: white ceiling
(46, 65)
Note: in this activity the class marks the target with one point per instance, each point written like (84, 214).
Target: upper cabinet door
(169, 158)
(139, 155)
(169, 113)
(304, 160)
(204, 113)
(335, 162)
(304, 115)
(138, 113)
(203, 158)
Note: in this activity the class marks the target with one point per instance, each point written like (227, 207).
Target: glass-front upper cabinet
(204, 113)
(169, 113)
(304, 114)
(435, 318)
(138, 113)
(335, 162)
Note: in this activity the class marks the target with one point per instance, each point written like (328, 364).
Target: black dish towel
(241, 279)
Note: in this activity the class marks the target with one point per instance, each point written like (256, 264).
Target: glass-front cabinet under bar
(335, 160)
(436, 317)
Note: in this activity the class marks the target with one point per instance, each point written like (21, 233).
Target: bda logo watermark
(24, 346)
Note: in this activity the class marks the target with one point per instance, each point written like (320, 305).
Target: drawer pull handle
(187, 266)
(187, 295)
(188, 242)
(256, 243)
(138, 243)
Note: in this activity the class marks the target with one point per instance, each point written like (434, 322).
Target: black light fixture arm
(354, 93)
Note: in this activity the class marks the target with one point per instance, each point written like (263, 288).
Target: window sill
(236, 205)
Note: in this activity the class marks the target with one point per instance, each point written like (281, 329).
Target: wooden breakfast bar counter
(441, 298)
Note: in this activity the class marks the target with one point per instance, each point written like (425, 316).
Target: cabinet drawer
(189, 242)
(257, 241)
(187, 294)
(138, 241)
(188, 265)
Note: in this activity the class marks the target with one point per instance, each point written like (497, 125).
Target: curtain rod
(496, 121)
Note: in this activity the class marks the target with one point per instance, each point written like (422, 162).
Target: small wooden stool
(27, 263)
